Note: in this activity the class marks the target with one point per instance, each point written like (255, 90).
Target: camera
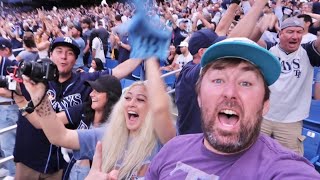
(8, 82)
(42, 70)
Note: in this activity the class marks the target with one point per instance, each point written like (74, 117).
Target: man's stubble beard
(229, 142)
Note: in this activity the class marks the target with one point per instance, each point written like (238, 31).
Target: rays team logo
(292, 66)
(51, 95)
(68, 40)
(65, 102)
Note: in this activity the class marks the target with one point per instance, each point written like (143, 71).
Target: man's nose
(230, 90)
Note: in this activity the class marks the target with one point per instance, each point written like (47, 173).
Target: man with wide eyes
(233, 95)
(291, 94)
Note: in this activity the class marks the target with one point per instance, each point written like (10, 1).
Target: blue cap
(248, 50)
(66, 41)
(202, 39)
(5, 43)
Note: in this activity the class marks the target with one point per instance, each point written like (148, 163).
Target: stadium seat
(126, 83)
(169, 80)
(111, 63)
(311, 130)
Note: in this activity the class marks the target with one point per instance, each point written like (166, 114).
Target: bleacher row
(138, 74)
(311, 130)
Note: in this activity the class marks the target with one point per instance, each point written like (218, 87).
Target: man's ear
(266, 106)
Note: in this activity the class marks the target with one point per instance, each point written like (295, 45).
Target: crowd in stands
(247, 70)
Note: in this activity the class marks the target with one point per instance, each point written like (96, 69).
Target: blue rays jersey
(32, 147)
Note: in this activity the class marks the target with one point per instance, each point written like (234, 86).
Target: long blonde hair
(115, 141)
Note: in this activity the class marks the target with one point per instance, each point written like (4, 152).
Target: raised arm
(246, 25)
(125, 68)
(226, 20)
(159, 102)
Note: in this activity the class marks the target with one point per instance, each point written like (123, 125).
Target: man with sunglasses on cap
(35, 157)
(291, 94)
(233, 96)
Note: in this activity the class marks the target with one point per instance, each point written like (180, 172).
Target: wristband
(28, 109)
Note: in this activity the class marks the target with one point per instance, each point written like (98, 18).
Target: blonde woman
(140, 124)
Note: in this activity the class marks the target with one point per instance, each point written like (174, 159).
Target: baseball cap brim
(75, 49)
(247, 50)
(95, 85)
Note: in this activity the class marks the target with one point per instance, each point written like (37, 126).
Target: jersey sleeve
(88, 140)
(313, 54)
(269, 45)
(74, 114)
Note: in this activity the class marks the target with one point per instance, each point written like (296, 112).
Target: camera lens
(25, 68)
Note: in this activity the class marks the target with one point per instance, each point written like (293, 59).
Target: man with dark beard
(233, 95)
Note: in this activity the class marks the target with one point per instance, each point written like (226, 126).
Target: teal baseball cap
(248, 50)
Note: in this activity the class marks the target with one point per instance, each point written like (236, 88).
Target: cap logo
(68, 40)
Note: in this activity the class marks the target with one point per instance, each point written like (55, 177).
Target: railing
(16, 50)
(4, 130)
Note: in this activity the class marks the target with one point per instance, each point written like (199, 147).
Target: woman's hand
(95, 171)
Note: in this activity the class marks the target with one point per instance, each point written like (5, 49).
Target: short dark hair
(231, 62)
(28, 40)
(306, 18)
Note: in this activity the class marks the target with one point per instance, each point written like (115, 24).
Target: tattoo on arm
(45, 108)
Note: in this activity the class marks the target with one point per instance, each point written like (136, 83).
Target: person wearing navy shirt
(188, 108)
(8, 109)
(35, 157)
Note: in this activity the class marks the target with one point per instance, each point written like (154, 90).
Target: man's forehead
(64, 47)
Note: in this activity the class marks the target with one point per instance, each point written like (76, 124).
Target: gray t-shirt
(29, 56)
(88, 139)
(79, 61)
(186, 157)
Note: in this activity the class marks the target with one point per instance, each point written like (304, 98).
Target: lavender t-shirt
(185, 157)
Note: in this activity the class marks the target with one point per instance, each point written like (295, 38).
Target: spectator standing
(284, 119)
(8, 109)
(76, 33)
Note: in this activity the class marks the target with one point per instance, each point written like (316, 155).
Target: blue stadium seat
(111, 63)
(311, 130)
(169, 80)
(126, 83)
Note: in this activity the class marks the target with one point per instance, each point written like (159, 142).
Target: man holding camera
(35, 156)
(8, 109)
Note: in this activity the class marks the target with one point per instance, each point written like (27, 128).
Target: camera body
(42, 70)
(8, 82)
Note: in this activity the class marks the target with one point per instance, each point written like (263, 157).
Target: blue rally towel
(147, 35)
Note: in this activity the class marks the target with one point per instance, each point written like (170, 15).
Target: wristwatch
(120, 43)
(27, 109)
